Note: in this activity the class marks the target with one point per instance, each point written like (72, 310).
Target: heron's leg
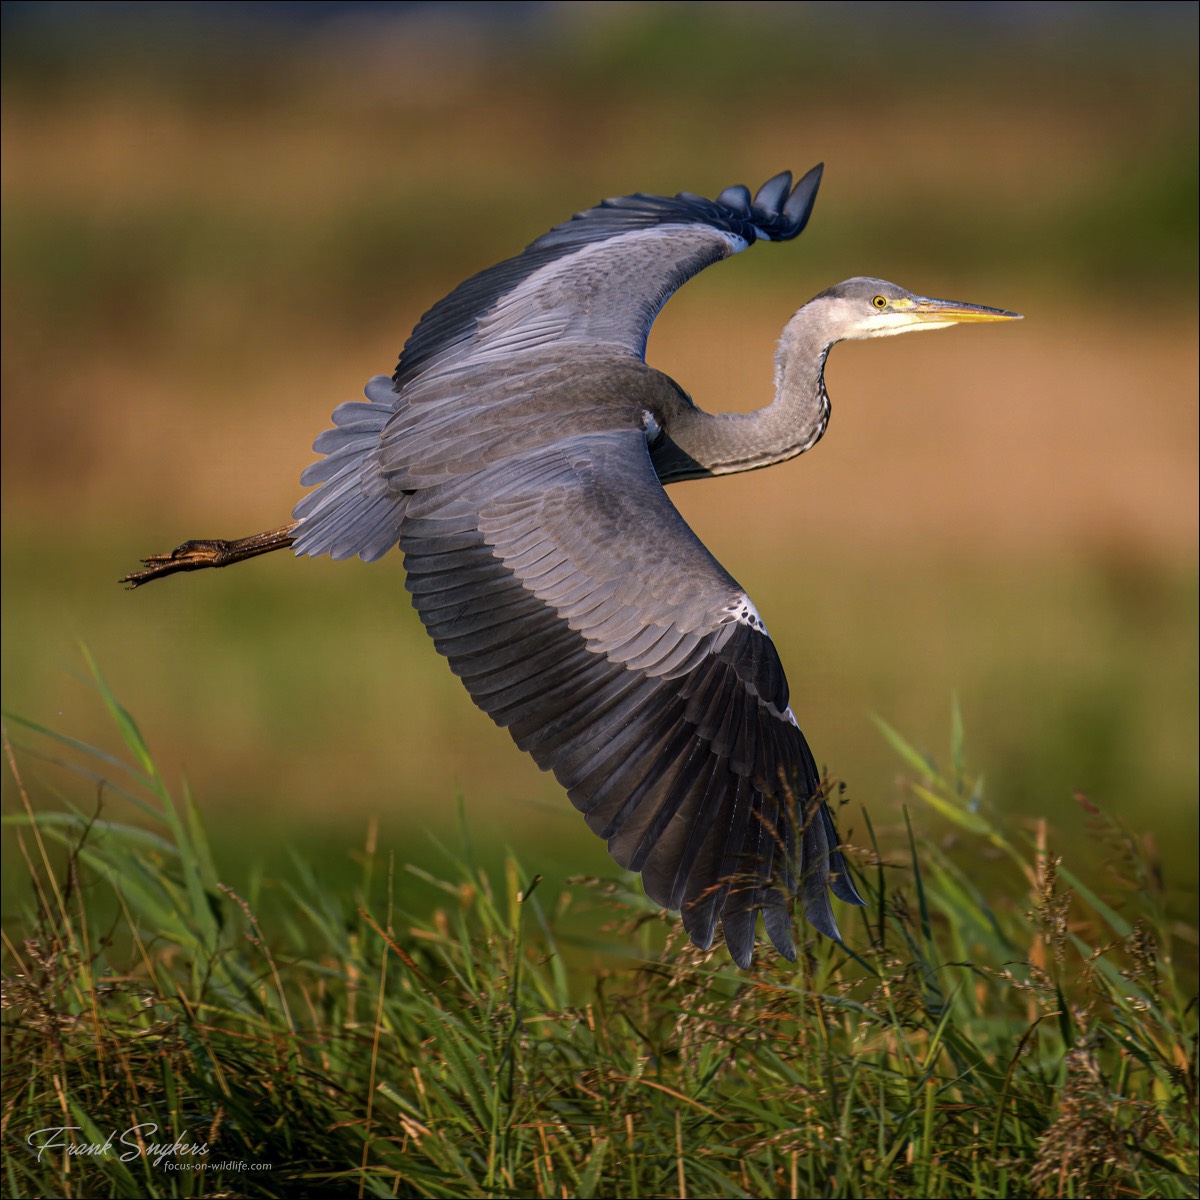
(210, 552)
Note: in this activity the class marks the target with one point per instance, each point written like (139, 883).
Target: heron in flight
(518, 458)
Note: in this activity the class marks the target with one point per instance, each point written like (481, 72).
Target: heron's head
(870, 308)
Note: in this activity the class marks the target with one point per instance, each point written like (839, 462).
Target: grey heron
(518, 458)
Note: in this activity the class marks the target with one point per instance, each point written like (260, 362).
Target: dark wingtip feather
(736, 198)
(843, 887)
(778, 923)
(741, 953)
(773, 193)
(799, 205)
(840, 881)
(738, 928)
(701, 932)
(814, 881)
(820, 915)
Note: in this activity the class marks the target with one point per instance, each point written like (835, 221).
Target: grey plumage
(517, 458)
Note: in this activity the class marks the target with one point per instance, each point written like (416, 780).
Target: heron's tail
(352, 512)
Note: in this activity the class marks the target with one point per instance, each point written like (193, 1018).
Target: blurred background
(220, 219)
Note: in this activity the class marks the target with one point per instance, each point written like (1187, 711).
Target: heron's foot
(191, 556)
(199, 553)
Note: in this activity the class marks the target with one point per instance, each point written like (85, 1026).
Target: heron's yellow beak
(947, 312)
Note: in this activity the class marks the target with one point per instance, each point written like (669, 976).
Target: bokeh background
(220, 219)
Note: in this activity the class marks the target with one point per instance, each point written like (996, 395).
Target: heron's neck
(725, 443)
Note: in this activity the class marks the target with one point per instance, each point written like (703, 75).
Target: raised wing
(602, 276)
(591, 285)
(581, 611)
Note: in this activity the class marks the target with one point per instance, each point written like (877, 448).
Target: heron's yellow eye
(880, 302)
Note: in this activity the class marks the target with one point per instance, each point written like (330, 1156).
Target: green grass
(473, 1034)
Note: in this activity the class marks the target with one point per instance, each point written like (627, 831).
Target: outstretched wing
(591, 285)
(582, 612)
(552, 570)
(602, 276)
